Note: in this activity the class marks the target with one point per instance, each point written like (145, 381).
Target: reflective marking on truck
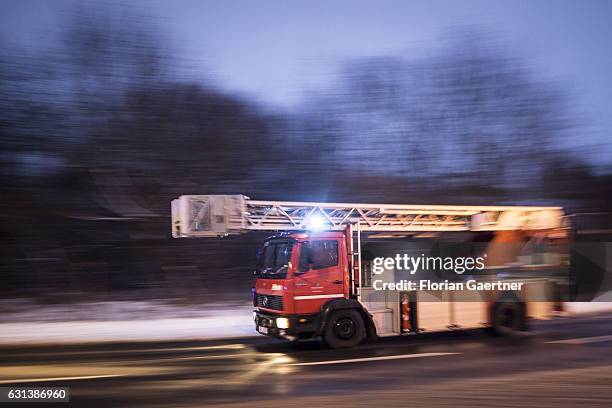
(337, 295)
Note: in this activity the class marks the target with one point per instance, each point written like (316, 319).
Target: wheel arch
(340, 304)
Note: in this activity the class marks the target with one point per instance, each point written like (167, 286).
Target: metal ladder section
(219, 215)
(354, 231)
(382, 316)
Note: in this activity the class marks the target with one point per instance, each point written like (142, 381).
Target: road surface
(561, 363)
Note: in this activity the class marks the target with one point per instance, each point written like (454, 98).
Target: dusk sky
(277, 52)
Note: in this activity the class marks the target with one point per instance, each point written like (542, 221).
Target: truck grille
(269, 301)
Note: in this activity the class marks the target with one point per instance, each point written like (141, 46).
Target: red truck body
(316, 294)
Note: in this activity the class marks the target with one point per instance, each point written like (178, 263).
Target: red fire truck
(314, 277)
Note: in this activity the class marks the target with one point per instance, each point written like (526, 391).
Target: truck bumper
(300, 326)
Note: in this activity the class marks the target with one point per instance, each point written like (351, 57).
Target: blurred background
(111, 109)
(108, 110)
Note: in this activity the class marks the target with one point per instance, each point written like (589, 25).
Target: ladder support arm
(219, 215)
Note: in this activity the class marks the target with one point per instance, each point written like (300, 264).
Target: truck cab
(297, 275)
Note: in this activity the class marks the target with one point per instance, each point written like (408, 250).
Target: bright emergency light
(316, 222)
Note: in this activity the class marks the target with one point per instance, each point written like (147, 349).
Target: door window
(318, 254)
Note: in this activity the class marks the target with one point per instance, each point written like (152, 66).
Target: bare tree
(468, 108)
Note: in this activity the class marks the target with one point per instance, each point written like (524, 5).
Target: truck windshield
(274, 260)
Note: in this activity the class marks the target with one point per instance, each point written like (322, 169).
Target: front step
(383, 320)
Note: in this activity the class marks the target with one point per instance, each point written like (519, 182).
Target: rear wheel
(508, 318)
(344, 329)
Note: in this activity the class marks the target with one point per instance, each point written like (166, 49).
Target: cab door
(319, 276)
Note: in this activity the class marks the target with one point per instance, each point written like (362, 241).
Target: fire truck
(314, 276)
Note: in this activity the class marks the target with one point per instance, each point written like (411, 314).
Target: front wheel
(344, 329)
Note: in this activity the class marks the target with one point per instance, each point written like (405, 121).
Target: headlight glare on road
(282, 322)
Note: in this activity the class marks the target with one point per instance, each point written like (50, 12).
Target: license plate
(262, 330)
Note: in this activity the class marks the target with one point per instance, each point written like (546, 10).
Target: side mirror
(306, 258)
(310, 256)
(282, 268)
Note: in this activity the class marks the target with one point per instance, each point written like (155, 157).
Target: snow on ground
(124, 322)
(149, 321)
(239, 323)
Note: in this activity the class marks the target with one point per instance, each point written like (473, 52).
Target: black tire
(508, 319)
(344, 329)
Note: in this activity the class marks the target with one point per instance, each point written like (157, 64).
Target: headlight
(282, 322)
(254, 315)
